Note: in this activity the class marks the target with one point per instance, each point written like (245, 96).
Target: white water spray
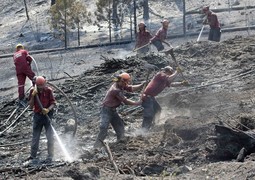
(66, 154)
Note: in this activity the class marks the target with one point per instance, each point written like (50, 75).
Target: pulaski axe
(171, 52)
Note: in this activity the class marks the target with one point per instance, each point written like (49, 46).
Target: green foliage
(75, 11)
(104, 8)
(111, 10)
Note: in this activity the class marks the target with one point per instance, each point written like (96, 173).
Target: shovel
(200, 33)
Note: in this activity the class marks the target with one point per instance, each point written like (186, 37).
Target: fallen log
(232, 143)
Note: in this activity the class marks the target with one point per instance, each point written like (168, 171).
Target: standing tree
(146, 10)
(52, 2)
(68, 14)
(25, 3)
(112, 11)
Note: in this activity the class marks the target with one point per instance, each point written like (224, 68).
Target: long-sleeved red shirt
(22, 60)
(159, 82)
(46, 97)
(143, 38)
(160, 35)
(213, 20)
(115, 96)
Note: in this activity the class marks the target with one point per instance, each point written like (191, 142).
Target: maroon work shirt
(46, 97)
(159, 82)
(22, 60)
(213, 21)
(160, 35)
(143, 38)
(115, 96)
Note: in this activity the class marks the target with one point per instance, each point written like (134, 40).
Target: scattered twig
(108, 150)
(68, 75)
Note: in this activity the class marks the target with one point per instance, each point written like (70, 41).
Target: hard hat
(168, 69)
(205, 9)
(125, 76)
(40, 81)
(165, 21)
(19, 46)
(141, 24)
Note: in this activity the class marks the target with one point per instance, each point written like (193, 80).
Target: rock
(70, 125)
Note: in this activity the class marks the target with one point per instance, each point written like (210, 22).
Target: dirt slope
(221, 90)
(177, 147)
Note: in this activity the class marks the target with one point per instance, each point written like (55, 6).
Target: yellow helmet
(19, 46)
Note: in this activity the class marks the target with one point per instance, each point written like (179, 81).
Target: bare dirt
(179, 146)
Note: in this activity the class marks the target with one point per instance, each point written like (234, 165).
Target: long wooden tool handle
(145, 84)
(172, 55)
(200, 33)
(141, 47)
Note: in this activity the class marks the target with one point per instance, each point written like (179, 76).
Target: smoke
(71, 146)
(139, 132)
(168, 113)
(123, 53)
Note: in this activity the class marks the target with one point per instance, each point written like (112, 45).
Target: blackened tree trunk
(115, 12)
(26, 9)
(53, 2)
(146, 15)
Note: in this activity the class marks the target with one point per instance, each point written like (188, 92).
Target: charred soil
(179, 146)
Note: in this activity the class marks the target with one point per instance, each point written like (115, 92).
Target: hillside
(179, 146)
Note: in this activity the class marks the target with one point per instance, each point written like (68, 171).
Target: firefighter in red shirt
(159, 82)
(113, 99)
(213, 22)
(161, 36)
(22, 62)
(143, 39)
(40, 119)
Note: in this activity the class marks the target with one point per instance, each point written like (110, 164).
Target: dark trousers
(143, 50)
(21, 76)
(214, 34)
(151, 111)
(158, 44)
(110, 116)
(40, 121)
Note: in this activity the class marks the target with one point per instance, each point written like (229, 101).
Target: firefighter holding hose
(40, 118)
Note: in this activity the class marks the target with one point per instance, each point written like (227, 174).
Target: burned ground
(179, 146)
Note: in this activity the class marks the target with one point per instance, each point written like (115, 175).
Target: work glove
(45, 111)
(34, 91)
(205, 22)
(139, 102)
(185, 82)
(178, 69)
(145, 82)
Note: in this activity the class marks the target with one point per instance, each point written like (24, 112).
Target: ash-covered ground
(221, 91)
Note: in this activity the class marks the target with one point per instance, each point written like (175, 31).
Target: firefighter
(143, 39)
(40, 119)
(159, 82)
(212, 20)
(113, 99)
(161, 36)
(22, 61)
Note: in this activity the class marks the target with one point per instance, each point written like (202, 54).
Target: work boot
(48, 160)
(123, 139)
(98, 145)
(23, 102)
